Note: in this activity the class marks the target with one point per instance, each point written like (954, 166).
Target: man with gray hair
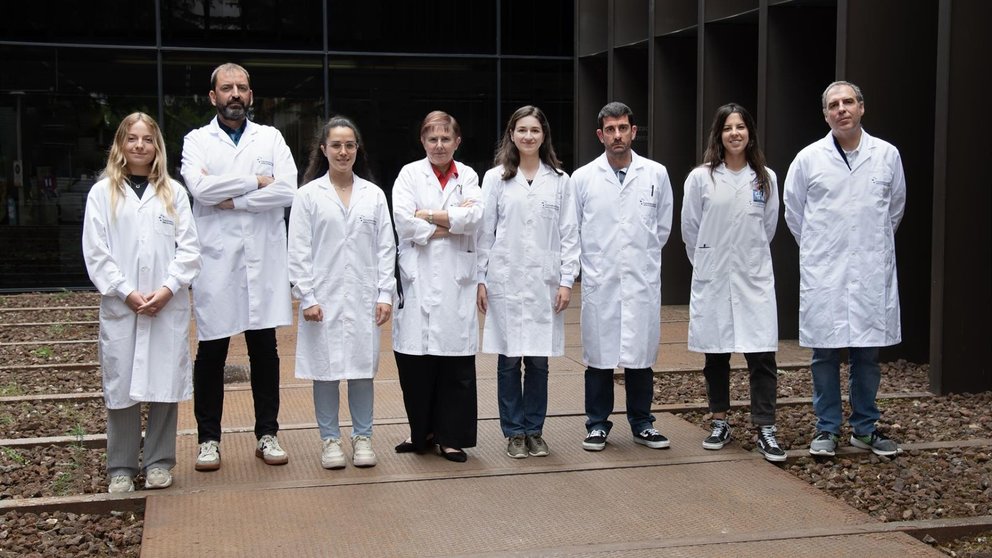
(624, 207)
(844, 197)
(242, 176)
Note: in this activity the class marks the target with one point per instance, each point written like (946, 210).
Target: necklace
(136, 185)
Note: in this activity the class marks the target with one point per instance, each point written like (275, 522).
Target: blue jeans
(639, 384)
(522, 408)
(863, 381)
(326, 403)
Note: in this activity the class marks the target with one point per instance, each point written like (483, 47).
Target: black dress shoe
(458, 456)
(405, 447)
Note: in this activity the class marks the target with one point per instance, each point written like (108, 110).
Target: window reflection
(275, 24)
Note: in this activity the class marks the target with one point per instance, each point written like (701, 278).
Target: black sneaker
(719, 437)
(595, 441)
(768, 445)
(651, 438)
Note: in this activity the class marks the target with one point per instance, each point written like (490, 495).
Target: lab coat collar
(724, 172)
(246, 138)
(865, 148)
(454, 183)
(359, 190)
(636, 165)
(544, 169)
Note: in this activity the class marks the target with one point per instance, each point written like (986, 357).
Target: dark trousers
(439, 394)
(208, 383)
(763, 382)
(639, 385)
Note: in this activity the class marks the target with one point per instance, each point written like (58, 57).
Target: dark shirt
(235, 135)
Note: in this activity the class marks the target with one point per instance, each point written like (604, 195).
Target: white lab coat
(622, 229)
(528, 248)
(438, 276)
(343, 259)
(244, 284)
(845, 222)
(727, 225)
(142, 248)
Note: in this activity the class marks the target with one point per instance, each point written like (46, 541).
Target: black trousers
(208, 383)
(439, 393)
(763, 381)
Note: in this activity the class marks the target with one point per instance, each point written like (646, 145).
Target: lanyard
(841, 151)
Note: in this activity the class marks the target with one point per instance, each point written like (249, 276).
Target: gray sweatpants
(124, 438)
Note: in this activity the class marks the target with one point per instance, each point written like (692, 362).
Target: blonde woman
(141, 252)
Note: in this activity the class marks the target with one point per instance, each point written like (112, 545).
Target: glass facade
(69, 72)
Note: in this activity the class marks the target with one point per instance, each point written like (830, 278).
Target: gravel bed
(690, 387)
(916, 485)
(934, 419)
(975, 546)
(49, 382)
(42, 471)
(59, 534)
(32, 316)
(35, 419)
(48, 354)
(53, 332)
(51, 300)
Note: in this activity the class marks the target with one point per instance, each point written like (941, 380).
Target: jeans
(763, 382)
(639, 384)
(863, 381)
(326, 403)
(208, 383)
(522, 408)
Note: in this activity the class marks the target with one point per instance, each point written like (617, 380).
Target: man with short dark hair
(624, 207)
(844, 197)
(242, 176)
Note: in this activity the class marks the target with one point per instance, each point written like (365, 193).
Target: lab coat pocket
(552, 269)
(702, 269)
(649, 212)
(549, 210)
(165, 225)
(465, 268)
(367, 224)
(408, 265)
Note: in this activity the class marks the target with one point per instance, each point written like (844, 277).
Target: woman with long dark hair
(729, 216)
(141, 252)
(341, 259)
(528, 260)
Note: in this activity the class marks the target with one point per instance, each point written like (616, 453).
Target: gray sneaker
(536, 446)
(825, 443)
(517, 447)
(878, 443)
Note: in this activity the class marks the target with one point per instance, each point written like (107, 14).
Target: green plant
(61, 484)
(13, 455)
(62, 295)
(43, 352)
(6, 419)
(56, 330)
(11, 389)
(78, 432)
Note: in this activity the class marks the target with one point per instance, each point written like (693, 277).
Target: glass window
(288, 94)
(417, 26)
(543, 28)
(389, 97)
(271, 24)
(59, 109)
(93, 21)
(546, 84)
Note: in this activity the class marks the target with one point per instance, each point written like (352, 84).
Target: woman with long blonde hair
(141, 251)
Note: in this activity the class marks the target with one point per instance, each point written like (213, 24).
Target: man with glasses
(844, 197)
(242, 177)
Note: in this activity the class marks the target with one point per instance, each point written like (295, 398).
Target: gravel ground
(41, 471)
(51, 300)
(976, 546)
(58, 534)
(47, 354)
(32, 316)
(60, 331)
(49, 382)
(34, 419)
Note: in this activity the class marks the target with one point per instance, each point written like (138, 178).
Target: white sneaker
(209, 456)
(119, 484)
(332, 457)
(270, 451)
(158, 477)
(363, 455)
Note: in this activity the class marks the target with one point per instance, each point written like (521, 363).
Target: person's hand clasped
(226, 204)
(313, 314)
(155, 302)
(383, 312)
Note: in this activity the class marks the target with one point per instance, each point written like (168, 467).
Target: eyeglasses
(349, 146)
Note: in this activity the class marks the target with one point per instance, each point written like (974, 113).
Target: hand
(264, 181)
(441, 232)
(135, 300)
(482, 299)
(226, 204)
(382, 313)
(155, 302)
(313, 314)
(562, 299)
(467, 203)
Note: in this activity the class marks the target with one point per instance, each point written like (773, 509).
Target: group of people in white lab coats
(510, 249)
